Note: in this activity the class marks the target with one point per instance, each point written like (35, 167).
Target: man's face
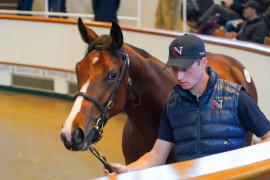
(249, 12)
(189, 78)
(227, 3)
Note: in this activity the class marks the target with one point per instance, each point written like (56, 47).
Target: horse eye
(111, 76)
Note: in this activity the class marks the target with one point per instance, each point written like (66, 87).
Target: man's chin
(184, 86)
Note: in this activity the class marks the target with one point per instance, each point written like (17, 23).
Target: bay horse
(116, 77)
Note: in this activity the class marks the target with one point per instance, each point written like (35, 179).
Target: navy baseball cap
(185, 50)
(252, 4)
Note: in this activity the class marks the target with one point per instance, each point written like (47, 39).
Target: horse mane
(146, 55)
(140, 51)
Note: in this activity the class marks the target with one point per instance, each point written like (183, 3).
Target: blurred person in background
(25, 5)
(218, 15)
(54, 5)
(228, 10)
(254, 29)
(195, 9)
(57, 5)
(167, 15)
(265, 15)
(105, 10)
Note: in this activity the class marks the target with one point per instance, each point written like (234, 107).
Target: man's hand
(266, 137)
(117, 169)
(157, 156)
(231, 35)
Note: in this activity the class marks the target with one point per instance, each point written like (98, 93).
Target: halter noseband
(97, 131)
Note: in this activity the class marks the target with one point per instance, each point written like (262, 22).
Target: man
(25, 5)
(203, 115)
(195, 9)
(54, 5)
(57, 5)
(253, 29)
(105, 10)
(167, 15)
(227, 11)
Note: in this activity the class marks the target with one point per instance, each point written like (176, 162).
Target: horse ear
(87, 34)
(116, 34)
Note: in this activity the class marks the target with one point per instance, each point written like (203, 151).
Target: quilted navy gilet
(207, 125)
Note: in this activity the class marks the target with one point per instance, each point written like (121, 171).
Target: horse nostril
(63, 138)
(78, 136)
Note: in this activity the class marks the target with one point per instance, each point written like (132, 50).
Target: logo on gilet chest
(217, 102)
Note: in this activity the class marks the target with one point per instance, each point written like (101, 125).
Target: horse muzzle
(77, 143)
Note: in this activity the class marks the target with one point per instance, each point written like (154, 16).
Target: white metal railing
(184, 16)
(46, 7)
(46, 13)
(139, 12)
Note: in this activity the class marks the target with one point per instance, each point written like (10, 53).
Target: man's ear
(203, 61)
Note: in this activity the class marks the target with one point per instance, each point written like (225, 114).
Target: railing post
(139, 3)
(46, 7)
(184, 16)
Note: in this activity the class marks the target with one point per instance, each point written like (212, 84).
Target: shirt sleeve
(165, 131)
(251, 116)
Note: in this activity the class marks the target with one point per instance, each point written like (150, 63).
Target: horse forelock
(104, 40)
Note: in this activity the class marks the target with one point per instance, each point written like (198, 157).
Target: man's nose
(180, 75)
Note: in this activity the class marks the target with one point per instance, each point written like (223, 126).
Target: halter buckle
(129, 81)
(110, 105)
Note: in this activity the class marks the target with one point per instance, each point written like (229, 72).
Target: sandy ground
(30, 146)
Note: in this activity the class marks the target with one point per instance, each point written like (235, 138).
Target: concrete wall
(59, 45)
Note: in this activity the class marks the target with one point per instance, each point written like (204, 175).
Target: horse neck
(151, 84)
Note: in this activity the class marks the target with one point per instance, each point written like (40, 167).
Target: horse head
(102, 82)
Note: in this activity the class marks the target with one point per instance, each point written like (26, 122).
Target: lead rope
(101, 158)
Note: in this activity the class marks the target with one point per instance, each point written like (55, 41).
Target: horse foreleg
(134, 145)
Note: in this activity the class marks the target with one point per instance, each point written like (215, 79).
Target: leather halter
(96, 132)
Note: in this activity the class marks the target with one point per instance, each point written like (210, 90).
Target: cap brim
(180, 63)
(243, 5)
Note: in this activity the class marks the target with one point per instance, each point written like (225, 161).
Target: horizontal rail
(37, 66)
(8, 4)
(60, 14)
(252, 162)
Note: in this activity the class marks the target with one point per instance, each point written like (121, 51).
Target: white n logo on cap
(177, 51)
